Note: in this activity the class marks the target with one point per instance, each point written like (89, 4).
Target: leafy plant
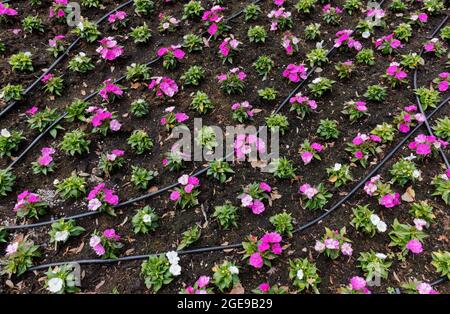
(192, 42)
(77, 110)
(404, 171)
(441, 261)
(304, 274)
(320, 86)
(319, 200)
(61, 279)
(283, 168)
(32, 23)
(339, 174)
(263, 65)
(81, 63)
(251, 12)
(72, 187)
(21, 61)
(137, 72)
(374, 265)
(312, 31)
(226, 215)
(362, 220)
(19, 258)
(11, 92)
(442, 128)
(220, 170)
(268, 93)
(226, 275)
(190, 236)
(156, 272)
(328, 129)
(193, 75)
(201, 102)
(9, 142)
(192, 9)
(402, 233)
(305, 6)
(207, 138)
(403, 31)
(282, 223)
(376, 93)
(139, 108)
(62, 230)
(442, 188)
(141, 177)
(7, 179)
(257, 34)
(145, 220)
(53, 85)
(429, 98)
(41, 120)
(317, 56)
(140, 142)
(144, 7)
(422, 210)
(87, 30)
(75, 142)
(366, 56)
(277, 121)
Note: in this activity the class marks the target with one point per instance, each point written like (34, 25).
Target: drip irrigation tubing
(88, 97)
(419, 103)
(148, 195)
(59, 59)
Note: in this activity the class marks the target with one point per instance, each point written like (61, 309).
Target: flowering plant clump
(333, 243)
(302, 105)
(200, 286)
(308, 151)
(339, 174)
(374, 265)
(160, 270)
(407, 237)
(226, 275)
(407, 118)
(62, 230)
(280, 19)
(290, 43)
(45, 163)
(172, 119)
(266, 288)
(295, 72)
(109, 91)
(102, 120)
(417, 287)
(395, 75)
(376, 187)
(357, 285)
(107, 244)
(5, 10)
(186, 195)
(320, 85)
(102, 199)
(163, 86)
(171, 55)
(213, 19)
(332, 15)
(81, 63)
(29, 205)
(109, 49)
(145, 220)
(9, 142)
(345, 69)
(254, 196)
(167, 23)
(435, 46)
(58, 9)
(388, 44)
(304, 274)
(441, 184)
(442, 81)
(362, 147)
(56, 45)
(426, 145)
(405, 171)
(228, 49)
(441, 262)
(344, 38)
(53, 85)
(365, 220)
(355, 110)
(314, 197)
(242, 111)
(261, 252)
(61, 279)
(233, 81)
(111, 161)
(118, 19)
(19, 257)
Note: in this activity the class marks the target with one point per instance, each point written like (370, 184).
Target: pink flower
(414, 246)
(390, 200)
(359, 154)
(111, 234)
(45, 160)
(256, 260)
(203, 281)
(257, 207)
(99, 249)
(94, 204)
(32, 111)
(12, 248)
(175, 196)
(331, 244)
(425, 288)
(115, 125)
(295, 72)
(277, 249)
(307, 157)
(265, 187)
(110, 88)
(443, 86)
(347, 249)
(358, 283)
(403, 128)
(193, 181)
(109, 49)
(163, 86)
(308, 190)
(264, 287)
(319, 247)
(181, 117)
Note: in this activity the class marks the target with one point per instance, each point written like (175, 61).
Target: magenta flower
(414, 246)
(256, 260)
(390, 200)
(6, 10)
(264, 287)
(265, 187)
(110, 89)
(174, 49)
(295, 72)
(109, 49)
(163, 86)
(257, 207)
(32, 111)
(175, 196)
(358, 283)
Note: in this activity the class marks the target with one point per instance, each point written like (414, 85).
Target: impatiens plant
(111, 161)
(163, 86)
(167, 23)
(441, 262)
(71, 187)
(283, 168)
(171, 56)
(139, 108)
(102, 199)
(140, 177)
(345, 69)
(228, 49)
(145, 220)
(290, 43)
(386, 197)
(385, 131)
(226, 215)
(263, 65)
(193, 76)
(303, 274)
(314, 198)
(201, 102)
(265, 288)
(226, 275)
(417, 287)
(87, 30)
(426, 145)
(106, 244)
(21, 62)
(200, 286)
(395, 75)
(362, 147)
(344, 38)
(173, 119)
(358, 285)
(185, 196)
(30, 205)
(53, 85)
(365, 220)
(434, 46)
(81, 63)
(280, 19)
(320, 86)
(331, 15)
(61, 279)
(412, 60)
(233, 81)
(355, 110)
(45, 163)
(109, 49)
(41, 120)
(429, 98)
(375, 266)
(295, 72)
(404, 171)
(242, 111)
(328, 129)
(141, 34)
(388, 44)
(441, 184)
(9, 142)
(102, 120)
(422, 210)
(407, 118)
(213, 19)
(159, 270)
(407, 238)
(339, 174)
(62, 230)
(254, 196)
(282, 223)
(140, 142)
(11, 92)
(118, 20)
(261, 252)
(334, 243)
(108, 91)
(7, 179)
(19, 257)
(189, 237)
(77, 110)
(302, 105)
(308, 151)
(220, 170)
(442, 81)
(137, 72)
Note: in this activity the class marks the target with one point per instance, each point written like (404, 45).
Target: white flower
(175, 269)
(381, 226)
(381, 256)
(183, 180)
(300, 274)
(94, 241)
(337, 166)
(317, 80)
(417, 174)
(319, 247)
(82, 54)
(5, 133)
(246, 200)
(61, 236)
(27, 53)
(173, 258)
(234, 270)
(94, 204)
(80, 26)
(55, 285)
(374, 219)
(147, 218)
(365, 34)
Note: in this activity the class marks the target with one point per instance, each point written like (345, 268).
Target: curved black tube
(59, 59)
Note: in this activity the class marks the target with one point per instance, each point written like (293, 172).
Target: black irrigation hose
(427, 124)
(59, 59)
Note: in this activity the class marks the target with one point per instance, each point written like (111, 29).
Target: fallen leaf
(238, 289)
(409, 196)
